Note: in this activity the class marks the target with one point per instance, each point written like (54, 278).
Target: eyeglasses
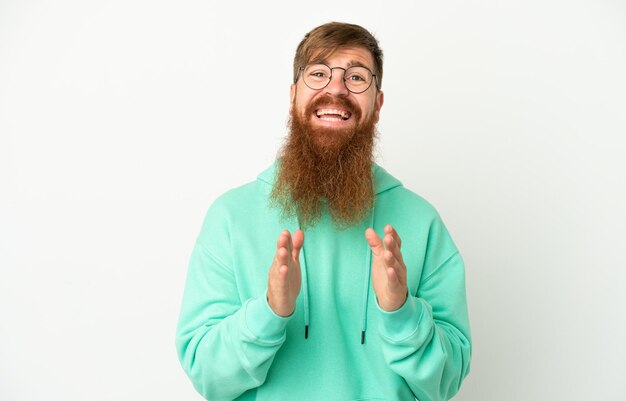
(317, 76)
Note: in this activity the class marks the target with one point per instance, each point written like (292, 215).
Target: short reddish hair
(326, 39)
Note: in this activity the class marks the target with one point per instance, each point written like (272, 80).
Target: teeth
(343, 114)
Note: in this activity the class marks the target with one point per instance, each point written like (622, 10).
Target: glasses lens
(358, 79)
(316, 76)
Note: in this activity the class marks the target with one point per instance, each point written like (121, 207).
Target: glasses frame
(301, 69)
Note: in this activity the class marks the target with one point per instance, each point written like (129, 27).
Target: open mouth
(332, 114)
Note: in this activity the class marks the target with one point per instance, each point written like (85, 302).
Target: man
(329, 310)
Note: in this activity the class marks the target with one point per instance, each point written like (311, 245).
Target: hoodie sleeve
(226, 345)
(427, 341)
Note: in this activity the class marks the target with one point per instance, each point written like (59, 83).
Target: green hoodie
(338, 344)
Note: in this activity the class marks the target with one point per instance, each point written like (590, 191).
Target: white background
(121, 121)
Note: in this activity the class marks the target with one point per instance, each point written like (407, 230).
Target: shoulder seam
(439, 267)
(219, 261)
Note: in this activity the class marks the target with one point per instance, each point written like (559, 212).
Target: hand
(284, 278)
(388, 269)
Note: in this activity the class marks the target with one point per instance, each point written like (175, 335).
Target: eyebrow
(351, 63)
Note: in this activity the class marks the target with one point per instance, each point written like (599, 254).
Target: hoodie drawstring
(366, 286)
(305, 292)
(305, 287)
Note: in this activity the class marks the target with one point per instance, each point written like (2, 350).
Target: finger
(283, 270)
(282, 240)
(390, 230)
(398, 266)
(392, 245)
(282, 243)
(277, 278)
(298, 242)
(393, 281)
(396, 284)
(374, 241)
(390, 258)
(281, 257)
(288, 245)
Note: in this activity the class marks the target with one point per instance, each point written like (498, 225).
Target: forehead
(343, 57)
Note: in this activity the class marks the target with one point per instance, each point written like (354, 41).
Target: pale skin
(388, 271)
(284, 278)
(388, 268)
(370, 102)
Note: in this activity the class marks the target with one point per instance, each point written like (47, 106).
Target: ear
(380, 99)
(292, 94)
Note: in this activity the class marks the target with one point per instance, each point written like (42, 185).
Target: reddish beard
(326, 164)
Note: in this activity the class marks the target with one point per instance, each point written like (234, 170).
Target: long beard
(326, 167)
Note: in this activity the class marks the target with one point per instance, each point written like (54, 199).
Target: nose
(337, 85)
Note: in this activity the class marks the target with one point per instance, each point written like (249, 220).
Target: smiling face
(326, 162)
(334, 109)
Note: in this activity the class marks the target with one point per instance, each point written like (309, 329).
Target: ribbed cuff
(262, 322)
(403, 322)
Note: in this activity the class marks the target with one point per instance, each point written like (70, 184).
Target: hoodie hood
(383, 181)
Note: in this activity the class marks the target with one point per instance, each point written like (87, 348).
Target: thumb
(374, 241)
